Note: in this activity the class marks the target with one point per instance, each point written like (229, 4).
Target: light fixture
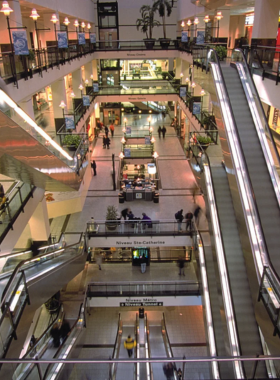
(181, 75)
(122, 109)
(124, 130)
(54, 18)
(193, 85)
(78, 156)
(72, 95)
(66, 21)
(121, 155)
(6, 9)
(189, 23)
(206, 19)
(219, 15)
(150, 111)
(91, 77)
(196, 21)
(139, 111)
(149, 119)
(86, 82)
(182, 23)
(155, 155)
(202, 92)
(62, 104)
(83, 25)
(151, 129)
(88, 26)
(187, 79)
(123, 140)
(81, 87)
(153, 140)
(76, 23)
(125, 120)
(34, 15)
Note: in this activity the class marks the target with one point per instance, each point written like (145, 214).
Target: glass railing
(14, 205)
(137, 289)
(153, 90)
(135, 227)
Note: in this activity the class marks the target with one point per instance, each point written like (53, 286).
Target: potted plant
(72, 142)
(207, 119)
(111, 218)
(147, 23)
(164, 75)
(164, 9)
(221, 51)
(204, 141)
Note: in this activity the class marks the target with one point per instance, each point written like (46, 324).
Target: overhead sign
(142, 241)
(137, 303)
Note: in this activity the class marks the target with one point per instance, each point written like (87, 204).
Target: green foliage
(147, 22)
(221, 51)
(164, 9)
(72, 140)
(164, 75)
(112, 213)
(31, 55)
(204, 140)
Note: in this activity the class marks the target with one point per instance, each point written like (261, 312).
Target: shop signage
(275, 116)
(62, 41)
(136, 54)
(20, 42)
(141, 302)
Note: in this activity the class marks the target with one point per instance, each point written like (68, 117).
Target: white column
(178, 68)
(266, 19)
(39, 222)
(58, 94)
(236, 29)
(88, 70)
(76, 81)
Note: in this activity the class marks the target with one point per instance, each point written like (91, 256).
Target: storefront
(143, 69)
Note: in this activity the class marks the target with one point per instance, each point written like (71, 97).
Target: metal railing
(133, 289)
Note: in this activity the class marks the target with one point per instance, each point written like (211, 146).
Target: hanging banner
(200, 37)
(86, 101)
(92, 37)
(184, 37)
(127, 152)
(196, 108)
(20, 42)
(128, 130)
(62, 40)
(183, 91)
(95, 87)
(70, 122)
(81, 38)
(147, 140)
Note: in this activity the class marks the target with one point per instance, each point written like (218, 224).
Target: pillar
(171, 64)
(58, 94)
(39, 223)
(27, 106)
(265, 22)
(236, 29)
(76, 81)
(88, 71)
(178, 68)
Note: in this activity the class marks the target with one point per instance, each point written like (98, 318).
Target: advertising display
(92, 38)
(86, 101)
(69, 122)
(200, 37)
(81, 38)
(140, 255)
(196, 108)
(20, 42)
(184, 37)
(62, 41)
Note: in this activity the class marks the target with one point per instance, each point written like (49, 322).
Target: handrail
(149, 370)
(168, 348)
(116, 348)
(22, 263)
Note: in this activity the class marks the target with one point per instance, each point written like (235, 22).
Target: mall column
(265, 26)
(58, 95)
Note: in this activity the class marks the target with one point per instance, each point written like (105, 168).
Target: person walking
(98, 261)
(179, 217)
(189, 217)
(106, 130)
(107, 142)
(2, 191)
(64, 330)
(124, 213)
(112, 129)
(159, 131)
(168, 370)
(163, 131)
(143, 264)
(93, 166)
(55, 334)
(104, 142)
(129, 344)
(181, 264)
(196, 214)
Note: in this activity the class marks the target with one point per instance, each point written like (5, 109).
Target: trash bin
(141, 312)
(121, 198)
(156, 198)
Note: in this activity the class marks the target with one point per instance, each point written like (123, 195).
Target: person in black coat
(93, 166)
(163, 130)
(107, 142)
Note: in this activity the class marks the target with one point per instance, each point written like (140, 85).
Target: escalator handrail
(18, 268)
(245, 164)
(259, 103)
(169, 347)
(148, 345)
(63, 343)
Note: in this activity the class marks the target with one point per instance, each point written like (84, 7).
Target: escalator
(30, 155)
(33, 282)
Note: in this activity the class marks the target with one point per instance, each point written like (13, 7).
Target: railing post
(20, 197)
(39, 368)
(256, 362)
(184, 365)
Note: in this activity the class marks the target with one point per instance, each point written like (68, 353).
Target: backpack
(177, 215)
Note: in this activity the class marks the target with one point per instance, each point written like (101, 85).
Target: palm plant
(164, 9)
(147, 22)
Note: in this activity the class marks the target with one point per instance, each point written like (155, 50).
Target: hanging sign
(183, 91)
(127, 152)
(128, 130)
(184, 37)
(147, 140)
(86, 101)
(196, 108)
(20, 42)
(92, 38)
(81, 38)
(69, 122)
(95, 87)
(200, 37)
(62, 40)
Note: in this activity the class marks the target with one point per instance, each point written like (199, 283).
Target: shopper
(179, 217)
(112, 129)
(2, 191)
(93, 166)
(104, 142)
(143, 264)
(163, 131)
(125, 212)
(64, 330)
(189, 217)
(196, 215)
(107, 142)
(168, 370)
(98, 261)
(159, 131)
(146, 221)
(129, 344)
(55, 334)
(106, 130)
(181, 264)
